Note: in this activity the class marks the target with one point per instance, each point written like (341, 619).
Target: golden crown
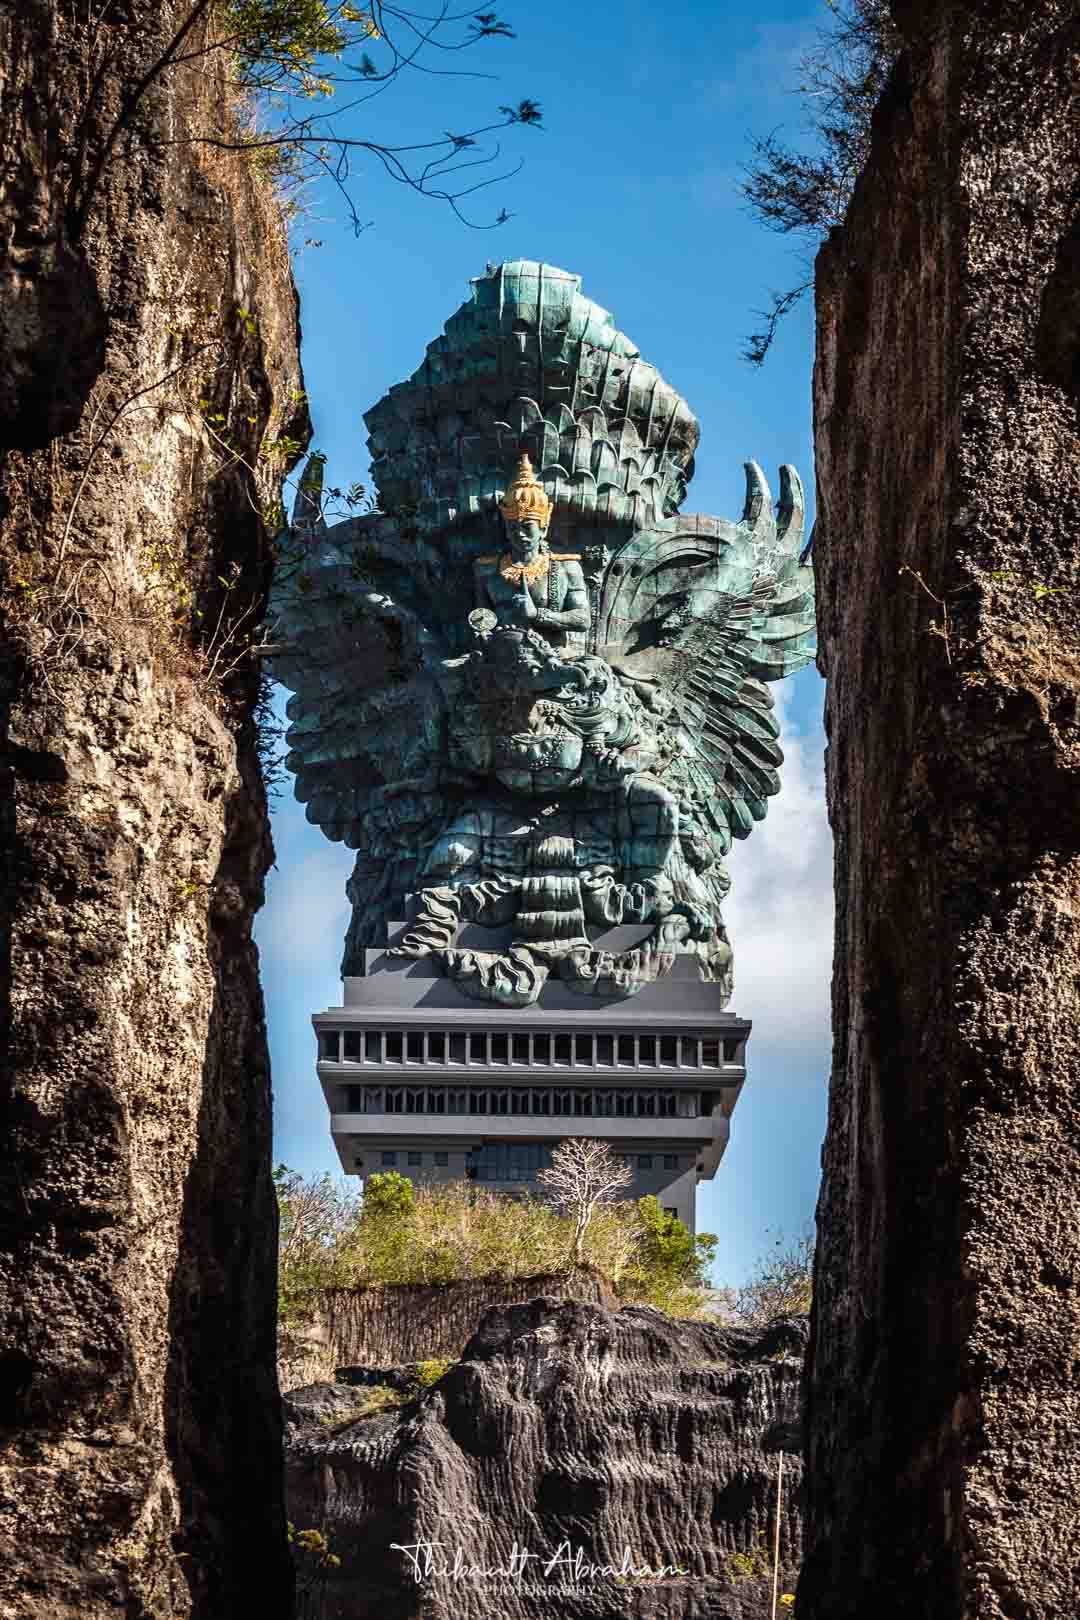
(526, 497)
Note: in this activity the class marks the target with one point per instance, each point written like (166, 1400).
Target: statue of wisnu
(553, 742)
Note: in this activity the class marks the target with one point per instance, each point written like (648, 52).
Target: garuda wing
(356, 635)
(699, 617)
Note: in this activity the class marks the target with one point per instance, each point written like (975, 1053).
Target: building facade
(416, 1082)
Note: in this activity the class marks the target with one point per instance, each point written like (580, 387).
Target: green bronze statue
(553, 743)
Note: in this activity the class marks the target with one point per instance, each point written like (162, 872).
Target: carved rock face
(565, 1423)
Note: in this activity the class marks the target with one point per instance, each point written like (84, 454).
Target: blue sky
(633, 183)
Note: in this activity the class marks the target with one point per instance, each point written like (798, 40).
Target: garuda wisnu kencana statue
(528, 691)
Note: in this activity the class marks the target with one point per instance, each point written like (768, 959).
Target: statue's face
(525, 536)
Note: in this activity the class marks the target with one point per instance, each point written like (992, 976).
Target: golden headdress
(526, 497)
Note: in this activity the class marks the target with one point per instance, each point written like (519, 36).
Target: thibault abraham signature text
(567, 1563)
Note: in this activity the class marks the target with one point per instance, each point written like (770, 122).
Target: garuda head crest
(529, 364)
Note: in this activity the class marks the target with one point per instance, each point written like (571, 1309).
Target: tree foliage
(781, 1284)
(803, 191)
(454, 1231)
(583, 1174)
(287, 56)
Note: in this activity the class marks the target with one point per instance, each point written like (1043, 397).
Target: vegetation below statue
(406, 1272)
(398, 1233)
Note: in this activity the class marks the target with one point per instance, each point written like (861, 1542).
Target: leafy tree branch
(803, 191)
(282, 54)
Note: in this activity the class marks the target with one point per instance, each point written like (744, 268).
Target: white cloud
(306, 912)
(779, 914)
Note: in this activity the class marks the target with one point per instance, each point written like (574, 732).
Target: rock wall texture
(140, 1438)
(384, 1326)
(944, 1376)
(567, 1432)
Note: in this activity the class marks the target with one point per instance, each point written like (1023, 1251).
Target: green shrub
(428, 1373)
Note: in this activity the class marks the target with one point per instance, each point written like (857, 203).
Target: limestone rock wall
(566, 1432)
(387, 1325)
(139, 1438)
(944, 1382)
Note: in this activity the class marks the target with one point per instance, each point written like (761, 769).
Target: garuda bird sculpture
(529, 692)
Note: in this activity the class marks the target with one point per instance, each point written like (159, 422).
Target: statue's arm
(574, 612)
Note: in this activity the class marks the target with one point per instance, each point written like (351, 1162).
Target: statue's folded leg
(443, 910)
(511, 980)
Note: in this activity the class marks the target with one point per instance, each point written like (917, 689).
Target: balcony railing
(385, 1048)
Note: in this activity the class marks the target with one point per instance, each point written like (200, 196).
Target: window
(647, 1049)
(373, 1046)
(436, 1100)
(328, 1045)
(710, 1054)
(519, 1046)
(414, 1048)
(442, 1158)
(394, 1045)
(689, 1053)
(389, 1158)
(352, 1098)
(478, 1049)
(374, 1101)
(564, 1049)
(626, 1051)
(583, 1103)
(541, 1048)
(436, 1048)
(500, 1049)
(731, 1051)
(669, 1050)
(583, 1049)
(414, 1100)
(395, 1100)
(666, 1104)
(459, 1048)
(605, 1049)
(416, 1158)
(644, 1161)
(353, 1043)
(519, 1102)
(671, 1161)
(507, 1161)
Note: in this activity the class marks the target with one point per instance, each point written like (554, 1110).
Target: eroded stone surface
(563, 1423)
(945, 1385)
(139, 1438)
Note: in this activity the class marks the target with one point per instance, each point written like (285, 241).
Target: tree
(781, 1284)
(803, 194)
(314, 1217)
(279, 55)
(583, 1174)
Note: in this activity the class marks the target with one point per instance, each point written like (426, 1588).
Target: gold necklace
(514, 572)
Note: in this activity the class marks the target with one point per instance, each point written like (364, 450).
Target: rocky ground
(566, 1432)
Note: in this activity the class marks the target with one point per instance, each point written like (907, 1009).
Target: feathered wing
(353, 639)
(724, 610)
